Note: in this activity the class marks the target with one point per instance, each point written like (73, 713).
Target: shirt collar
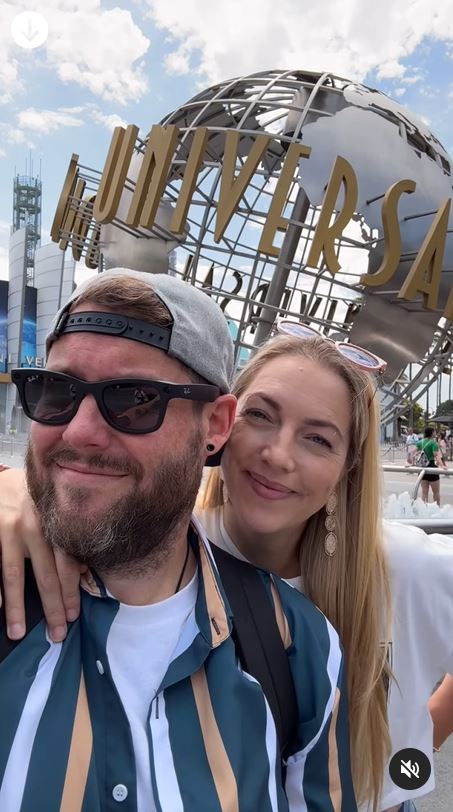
(212, 611)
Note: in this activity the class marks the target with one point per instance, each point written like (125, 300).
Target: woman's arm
(57, 575)
(441, 709)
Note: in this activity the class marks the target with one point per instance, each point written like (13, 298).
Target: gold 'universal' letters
(92, 249)
(69, 185)
(424, 276)
(392, 235)
(232, 188)
(75, 218)
(81, 226)
(274, 220)
(326, 234)
(115, 172)
(67, 226)
(152, 176)
(178, 220)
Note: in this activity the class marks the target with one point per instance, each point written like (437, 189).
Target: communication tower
(27, 214)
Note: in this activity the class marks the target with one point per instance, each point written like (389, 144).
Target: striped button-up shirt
(66, 744)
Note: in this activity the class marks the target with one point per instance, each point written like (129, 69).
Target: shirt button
(99, 667)
(120, 792)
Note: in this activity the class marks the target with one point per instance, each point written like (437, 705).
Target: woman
(442, 443)
(298, 493)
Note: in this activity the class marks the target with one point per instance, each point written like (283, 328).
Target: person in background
(429, 447)
(442, 443)
(411, 446)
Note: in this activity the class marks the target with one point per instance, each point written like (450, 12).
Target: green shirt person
(431, 449)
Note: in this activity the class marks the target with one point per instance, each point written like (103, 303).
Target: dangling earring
(330, 523)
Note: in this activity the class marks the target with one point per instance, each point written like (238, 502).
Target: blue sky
(107, 62)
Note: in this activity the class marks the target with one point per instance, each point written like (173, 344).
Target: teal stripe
(187, 663)
(188, 749)
(243, 731)
(308, 662)
(17, 674)
(342, 735)
(92, 801)
(49, 757)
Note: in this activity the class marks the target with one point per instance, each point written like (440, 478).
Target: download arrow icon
(29, 29)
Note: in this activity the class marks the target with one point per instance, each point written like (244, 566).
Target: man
(411, 446)
(144, 707)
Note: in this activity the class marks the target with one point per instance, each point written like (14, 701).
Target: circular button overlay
(410, 768)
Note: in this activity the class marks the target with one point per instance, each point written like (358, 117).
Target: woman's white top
(421, 646)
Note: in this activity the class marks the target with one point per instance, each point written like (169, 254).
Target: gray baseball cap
(199, 335)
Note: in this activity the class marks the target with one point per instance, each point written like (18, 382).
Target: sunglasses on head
(362, 358)
(130, 405)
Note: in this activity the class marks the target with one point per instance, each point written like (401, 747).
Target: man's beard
(137, 532)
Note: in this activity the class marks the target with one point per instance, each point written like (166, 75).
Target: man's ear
(219, 423)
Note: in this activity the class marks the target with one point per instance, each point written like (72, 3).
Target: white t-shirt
(412, 439)
(421, 571)
(140, 645)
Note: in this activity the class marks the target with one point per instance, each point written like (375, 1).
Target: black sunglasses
(130, 405)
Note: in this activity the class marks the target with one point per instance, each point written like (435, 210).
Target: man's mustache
(101, 462)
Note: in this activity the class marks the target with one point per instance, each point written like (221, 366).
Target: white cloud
(177, 63)
(391, 70)
(109, 121)
(13, 135)
(48, 121)
(399, 91)
(99, 49)
(229, 37)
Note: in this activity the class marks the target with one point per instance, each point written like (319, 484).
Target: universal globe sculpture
(332, 116)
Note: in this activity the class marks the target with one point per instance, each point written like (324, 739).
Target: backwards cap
(198, 337)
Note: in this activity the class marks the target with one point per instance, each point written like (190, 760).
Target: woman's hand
(57, 575)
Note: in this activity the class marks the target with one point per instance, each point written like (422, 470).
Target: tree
(446, 407)
(418, 420)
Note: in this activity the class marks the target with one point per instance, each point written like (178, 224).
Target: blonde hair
(352, 587)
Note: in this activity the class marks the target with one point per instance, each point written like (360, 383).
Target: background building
(40, 278)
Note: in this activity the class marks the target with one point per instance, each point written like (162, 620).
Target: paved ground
(441, 800)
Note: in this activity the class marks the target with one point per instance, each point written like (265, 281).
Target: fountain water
(428, 516)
